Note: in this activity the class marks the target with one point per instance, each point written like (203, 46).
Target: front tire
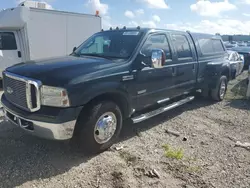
(99, 127)
(219, 92)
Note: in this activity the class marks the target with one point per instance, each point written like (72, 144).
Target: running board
(158, 111)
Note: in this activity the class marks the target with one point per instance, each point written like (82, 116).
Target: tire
(89, 134)
(218, 93)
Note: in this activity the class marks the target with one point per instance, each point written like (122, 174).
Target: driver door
(154, 85)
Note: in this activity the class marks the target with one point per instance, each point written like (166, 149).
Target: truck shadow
(242, 104)
(25, 158)
(130, 129)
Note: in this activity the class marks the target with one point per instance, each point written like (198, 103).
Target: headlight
(54, 96)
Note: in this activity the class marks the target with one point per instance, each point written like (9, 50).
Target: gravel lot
(208, 156)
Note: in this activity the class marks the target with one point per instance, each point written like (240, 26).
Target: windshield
(113, 44)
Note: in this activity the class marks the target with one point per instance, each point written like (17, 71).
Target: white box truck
(28, 33)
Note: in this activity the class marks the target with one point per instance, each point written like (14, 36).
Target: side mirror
(241, 57)
(158, 58)
(74, 49)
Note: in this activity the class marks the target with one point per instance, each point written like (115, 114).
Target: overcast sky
(210, 16)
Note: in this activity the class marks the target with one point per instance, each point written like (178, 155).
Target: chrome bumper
(62, 131)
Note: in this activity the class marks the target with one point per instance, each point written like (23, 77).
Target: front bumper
(62, 131)
(45, 125)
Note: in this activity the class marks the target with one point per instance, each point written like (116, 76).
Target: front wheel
(99, 127)
(219, 92)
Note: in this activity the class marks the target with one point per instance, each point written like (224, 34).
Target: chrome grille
(21, 91)
(15, 91)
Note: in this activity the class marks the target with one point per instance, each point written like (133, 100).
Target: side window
(7, 41)
(182, 46)
(157, 41)
(217, 44)
(206, 46)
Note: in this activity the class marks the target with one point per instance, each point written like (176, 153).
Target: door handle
(19, 54)
(173, 71)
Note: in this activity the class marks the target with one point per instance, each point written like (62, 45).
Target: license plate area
(12, 118)
(27, 125)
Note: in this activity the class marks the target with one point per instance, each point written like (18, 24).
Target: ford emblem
(9, 90)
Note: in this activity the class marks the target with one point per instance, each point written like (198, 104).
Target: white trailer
(28, 33)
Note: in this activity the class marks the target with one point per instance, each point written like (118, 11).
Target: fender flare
(109, 89)
(211, 80)
(226, 70)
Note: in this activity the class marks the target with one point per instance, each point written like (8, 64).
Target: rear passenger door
(185, 64)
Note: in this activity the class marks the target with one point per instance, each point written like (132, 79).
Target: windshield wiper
(75, 54)
(95, 55)
(103, 56)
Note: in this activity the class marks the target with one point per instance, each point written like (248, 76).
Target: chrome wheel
(105, 127)
(222, 89)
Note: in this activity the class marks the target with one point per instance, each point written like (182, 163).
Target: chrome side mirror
(158, 58)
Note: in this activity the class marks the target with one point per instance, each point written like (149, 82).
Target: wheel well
(117, 98)
(225, 72)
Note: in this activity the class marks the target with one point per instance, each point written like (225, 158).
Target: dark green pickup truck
(114, 75)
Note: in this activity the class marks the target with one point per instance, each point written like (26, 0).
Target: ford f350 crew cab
(112, 76)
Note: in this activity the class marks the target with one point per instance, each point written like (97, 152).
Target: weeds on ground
(173, 153)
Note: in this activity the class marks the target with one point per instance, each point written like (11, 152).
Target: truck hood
(62, 70)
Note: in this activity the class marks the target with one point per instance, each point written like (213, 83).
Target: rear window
(7, 41)
(206, 46)
(210, 46)
(217, 44)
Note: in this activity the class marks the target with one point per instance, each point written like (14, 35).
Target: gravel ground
(207, 154)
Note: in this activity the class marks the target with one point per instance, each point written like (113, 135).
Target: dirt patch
(237, 87)
(203, 155)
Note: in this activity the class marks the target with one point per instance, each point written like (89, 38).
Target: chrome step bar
(158, 111)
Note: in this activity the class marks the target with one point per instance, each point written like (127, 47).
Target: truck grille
(22, 92)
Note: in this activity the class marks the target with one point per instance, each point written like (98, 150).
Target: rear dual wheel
(219, 92)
